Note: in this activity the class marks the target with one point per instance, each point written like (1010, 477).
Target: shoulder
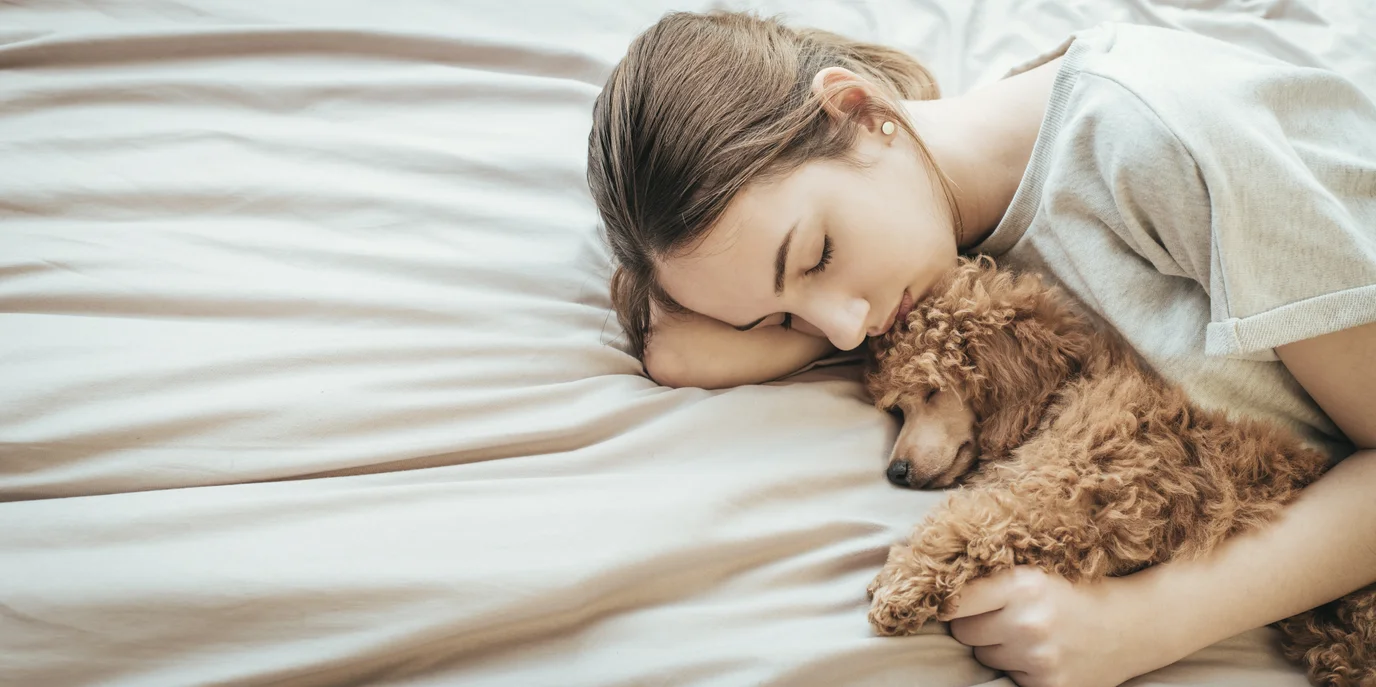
(1245, 132)
(1211, 94)
(1247, 122)
(1159, 60)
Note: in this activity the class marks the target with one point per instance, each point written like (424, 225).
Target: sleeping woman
(772, 195)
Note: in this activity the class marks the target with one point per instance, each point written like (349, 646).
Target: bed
(308, 373)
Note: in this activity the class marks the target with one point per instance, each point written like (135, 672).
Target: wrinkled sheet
(309, 373)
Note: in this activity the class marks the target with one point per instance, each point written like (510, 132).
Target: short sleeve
(1290, 173)
(1253, 179)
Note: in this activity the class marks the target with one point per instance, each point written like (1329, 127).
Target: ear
(846, 96)
(1026, 361)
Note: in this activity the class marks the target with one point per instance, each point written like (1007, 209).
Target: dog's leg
(977, 533)
(1336, 642)
(1071, 522)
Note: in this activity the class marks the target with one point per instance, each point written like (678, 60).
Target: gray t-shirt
(1208, 202)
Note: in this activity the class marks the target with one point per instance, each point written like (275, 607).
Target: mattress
(310, 375)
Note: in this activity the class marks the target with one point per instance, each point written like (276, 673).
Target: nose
(898, 473)
(843, 321)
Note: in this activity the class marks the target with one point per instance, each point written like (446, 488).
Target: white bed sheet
(309, 375)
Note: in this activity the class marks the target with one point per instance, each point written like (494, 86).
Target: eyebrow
(780, 263)
(782, 260)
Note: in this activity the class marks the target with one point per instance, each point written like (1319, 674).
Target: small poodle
(1074, 456)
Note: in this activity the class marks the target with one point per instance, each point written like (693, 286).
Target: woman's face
(832, 248)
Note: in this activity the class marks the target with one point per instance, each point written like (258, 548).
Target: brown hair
(701, 106)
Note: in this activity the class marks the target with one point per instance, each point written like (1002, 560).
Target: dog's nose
(898, 473)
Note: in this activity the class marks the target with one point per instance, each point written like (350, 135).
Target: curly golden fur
(1075, 457)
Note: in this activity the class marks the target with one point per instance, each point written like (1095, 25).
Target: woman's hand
(1045, 632)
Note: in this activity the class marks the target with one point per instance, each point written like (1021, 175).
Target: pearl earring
(887, 128)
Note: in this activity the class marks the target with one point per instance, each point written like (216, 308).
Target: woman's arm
(1047, 631)
(1323, 547)
(694, 350)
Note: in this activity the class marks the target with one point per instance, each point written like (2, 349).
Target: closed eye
(826, 257)
(821, 265)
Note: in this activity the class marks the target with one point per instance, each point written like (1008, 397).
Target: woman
(769, 199)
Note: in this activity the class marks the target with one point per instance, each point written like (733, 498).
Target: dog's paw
(901, 609)
(902, 597)
(880, 581)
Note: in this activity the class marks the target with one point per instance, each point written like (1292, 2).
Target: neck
(983, 141)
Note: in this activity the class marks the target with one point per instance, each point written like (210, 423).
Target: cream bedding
(308, 374)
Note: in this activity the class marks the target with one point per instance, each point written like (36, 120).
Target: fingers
(1022, 679)
(985, 629)
(1014, 664)
(997, 657)
(982, 596)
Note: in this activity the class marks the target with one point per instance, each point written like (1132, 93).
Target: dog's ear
(1043, 344)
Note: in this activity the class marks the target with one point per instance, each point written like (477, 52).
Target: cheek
(891, 255)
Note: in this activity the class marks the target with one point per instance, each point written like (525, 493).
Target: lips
(905, 307)
(899, 314)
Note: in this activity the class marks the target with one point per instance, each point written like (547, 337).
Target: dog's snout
(898, 472)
